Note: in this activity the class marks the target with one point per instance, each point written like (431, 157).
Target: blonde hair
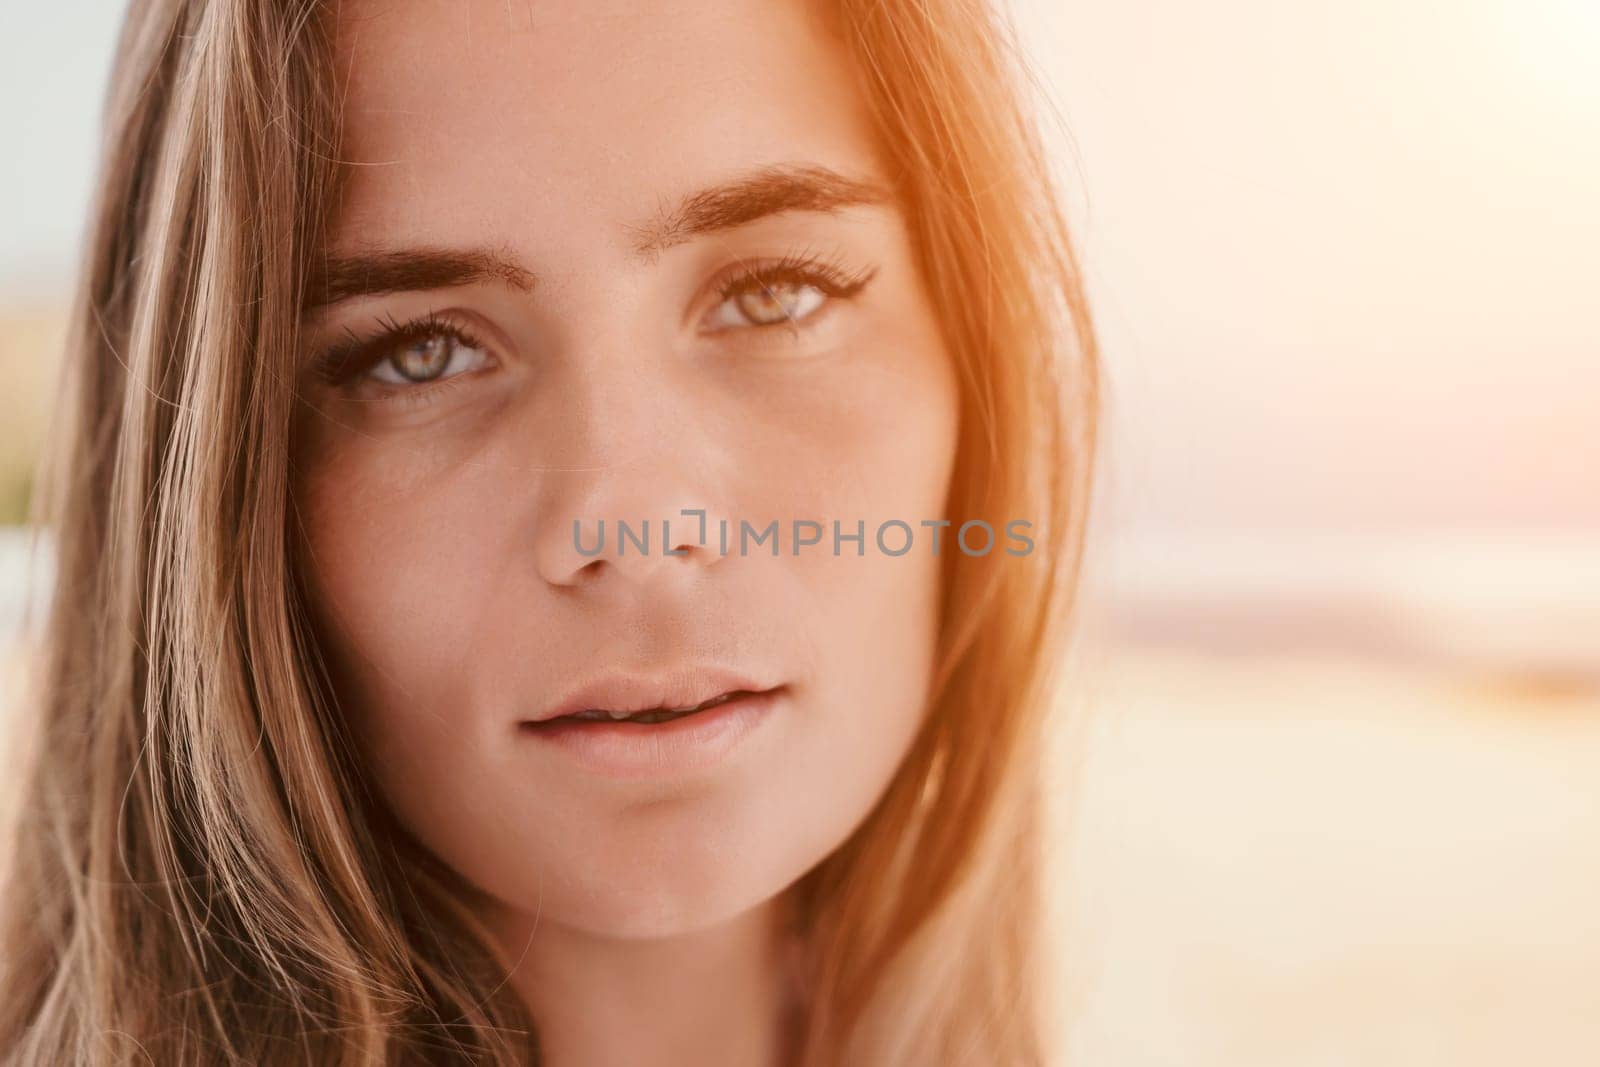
(198, 872)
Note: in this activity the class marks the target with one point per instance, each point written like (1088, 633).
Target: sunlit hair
(199, 874)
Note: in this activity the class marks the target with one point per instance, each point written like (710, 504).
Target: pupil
(770, 303)
(424, 358)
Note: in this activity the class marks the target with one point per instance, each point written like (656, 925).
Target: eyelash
(346, 361)
(806, 268)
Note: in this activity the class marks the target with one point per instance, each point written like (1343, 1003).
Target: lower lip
(651, 750)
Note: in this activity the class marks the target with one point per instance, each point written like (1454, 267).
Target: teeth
(650, 715)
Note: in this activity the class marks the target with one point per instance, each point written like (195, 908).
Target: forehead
(469, 120)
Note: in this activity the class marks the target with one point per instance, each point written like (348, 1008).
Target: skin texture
(640, 916)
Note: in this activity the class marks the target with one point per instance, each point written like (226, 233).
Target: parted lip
(680, 687)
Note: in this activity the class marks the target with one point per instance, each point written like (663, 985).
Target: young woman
(563, 517)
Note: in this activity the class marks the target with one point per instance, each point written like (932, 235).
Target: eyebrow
(411, 270)
(768, 191)
(726, 206)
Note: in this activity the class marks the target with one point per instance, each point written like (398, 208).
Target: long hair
(197, 873)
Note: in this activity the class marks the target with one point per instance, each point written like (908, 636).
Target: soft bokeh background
(1335, 798)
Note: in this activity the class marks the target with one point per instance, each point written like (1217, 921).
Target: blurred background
(1330, 792)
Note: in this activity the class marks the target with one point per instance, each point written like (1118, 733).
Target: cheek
(882, 449)
(397, 590)
(400, 594)
(867, 433)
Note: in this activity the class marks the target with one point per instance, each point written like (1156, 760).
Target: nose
(638, 494)
(673, 534)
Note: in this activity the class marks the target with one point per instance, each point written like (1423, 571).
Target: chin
(670, 906)
(681, 879)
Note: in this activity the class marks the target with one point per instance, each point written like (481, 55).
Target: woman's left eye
(789, 291)
(763, 303)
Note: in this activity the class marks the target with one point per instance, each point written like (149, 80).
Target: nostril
(685, 539)
(683, 547)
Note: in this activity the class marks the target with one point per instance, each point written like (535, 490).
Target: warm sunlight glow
(1555, 45)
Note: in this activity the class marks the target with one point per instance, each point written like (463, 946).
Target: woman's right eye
(427, 358)
(403, 359)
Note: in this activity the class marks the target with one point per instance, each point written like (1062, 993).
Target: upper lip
(683, 687)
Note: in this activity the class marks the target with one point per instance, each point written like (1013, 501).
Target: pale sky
(1344, 255)
(54, 59)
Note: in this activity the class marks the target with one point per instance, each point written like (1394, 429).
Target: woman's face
(620, 261)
